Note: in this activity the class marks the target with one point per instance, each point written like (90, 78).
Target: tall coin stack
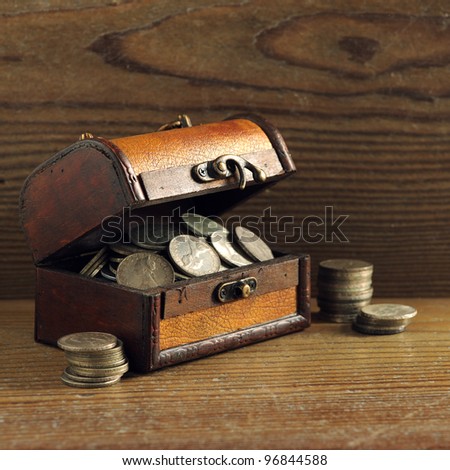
(95, 359)
(344, 287)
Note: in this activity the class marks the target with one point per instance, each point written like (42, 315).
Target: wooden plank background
(360, 90)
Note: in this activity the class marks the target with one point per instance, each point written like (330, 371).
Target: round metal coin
(153, 236)
(97, 364)
(160, 234)
(227, 251)
(125, 249)
(253, 246)
(347, 286)
(80, 384)
(381, 323)
(346, 296)
(112, 352)
(108, 274)
(87, 341)
(99, 372)
(373, 330)
(202, 226)
(193, 256)
(98, 267)
(345, 269)
(94, 262)
(68, 372)
(144, 271)
(342, 308)
(113, 268)
(345, 265)
(337, 318)
(388, 312)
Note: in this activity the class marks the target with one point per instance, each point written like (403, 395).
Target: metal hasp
(226, 166)
(235, 290)
(183, 121)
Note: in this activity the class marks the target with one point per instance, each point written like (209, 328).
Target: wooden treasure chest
(82, 210)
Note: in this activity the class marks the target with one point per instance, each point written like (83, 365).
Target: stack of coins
(96, 264)
(95, 359)
(160, 254)
(344, 287)
(384, 319)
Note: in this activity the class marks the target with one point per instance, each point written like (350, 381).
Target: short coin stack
(384, 319)
(344, 287)
(95, 359)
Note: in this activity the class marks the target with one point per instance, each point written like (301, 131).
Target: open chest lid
(65, 201)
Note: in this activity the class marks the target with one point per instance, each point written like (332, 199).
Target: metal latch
(235, 290)
(183, 121)
(226, 166)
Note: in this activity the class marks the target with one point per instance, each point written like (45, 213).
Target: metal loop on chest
(227, 166)
(183, 121)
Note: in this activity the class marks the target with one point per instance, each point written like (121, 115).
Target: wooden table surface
(324, 388)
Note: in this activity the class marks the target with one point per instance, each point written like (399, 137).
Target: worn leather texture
(226, 318)
(191, 145)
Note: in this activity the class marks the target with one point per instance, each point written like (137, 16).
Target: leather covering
(65, 200)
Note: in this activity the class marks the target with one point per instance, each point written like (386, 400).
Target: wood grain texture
(358, 89)
(323, 388)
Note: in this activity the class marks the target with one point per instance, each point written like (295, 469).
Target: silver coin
(148, 248)
(97, 364)
(343, 308)
(95, 358)
(345, 265)
(113, 268)
(389, 312)
(99, 266)
(200, 225)
(342, 304)
(116, 259)
(116, 351)
(92, 267)
(95, 384)
(69, 373)
(193, 256)
(374, 330)
(125, 249)
(108, 274)
(181, 277)
(345, 269)
(152, 235)
(227, 251)
(99, 372)
(252, 245)
(144, 271)
(346, 296)
(347, 285)
(337, 318)
(377, 322)
(87, 341)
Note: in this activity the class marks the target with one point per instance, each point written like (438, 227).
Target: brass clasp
(183, 121)
(226, 166)
(234, 290)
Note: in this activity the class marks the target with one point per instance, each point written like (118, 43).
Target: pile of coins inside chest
(159, 254)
